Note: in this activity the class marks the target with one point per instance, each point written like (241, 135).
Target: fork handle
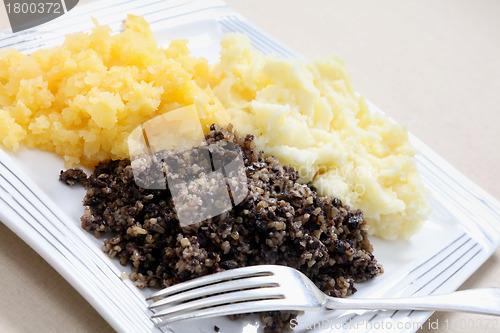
(482, 301)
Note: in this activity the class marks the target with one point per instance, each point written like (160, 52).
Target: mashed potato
(307, 115)
(82, 99)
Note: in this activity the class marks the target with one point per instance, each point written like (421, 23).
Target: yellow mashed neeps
(83, 99)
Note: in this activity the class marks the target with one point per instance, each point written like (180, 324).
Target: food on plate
(322, 170)
(307, 114)
(82, 99)
(281, 221)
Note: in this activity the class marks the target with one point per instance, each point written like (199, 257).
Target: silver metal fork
(271, 287)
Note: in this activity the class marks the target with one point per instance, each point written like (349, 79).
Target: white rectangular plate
(459, 236)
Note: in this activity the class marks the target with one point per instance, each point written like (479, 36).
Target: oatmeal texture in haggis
(280, 222)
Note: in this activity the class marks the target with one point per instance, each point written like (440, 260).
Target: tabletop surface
(433, 65)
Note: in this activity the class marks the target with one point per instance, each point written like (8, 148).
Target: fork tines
(228, 292)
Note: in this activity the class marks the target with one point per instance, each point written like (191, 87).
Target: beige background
(431, 64)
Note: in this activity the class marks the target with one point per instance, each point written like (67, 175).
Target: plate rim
(488, 239)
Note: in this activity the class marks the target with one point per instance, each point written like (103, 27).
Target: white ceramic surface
(459, 236)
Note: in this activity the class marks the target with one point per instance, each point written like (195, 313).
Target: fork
(272, 287)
